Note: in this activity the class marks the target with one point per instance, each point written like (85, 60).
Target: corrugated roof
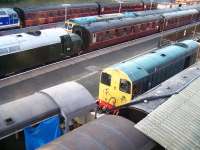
(176, 123)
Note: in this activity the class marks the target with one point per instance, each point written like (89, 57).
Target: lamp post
(66, 5)
(120, 2)
(151, 4)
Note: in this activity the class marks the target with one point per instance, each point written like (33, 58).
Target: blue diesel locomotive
(122, 82)
(8, 18)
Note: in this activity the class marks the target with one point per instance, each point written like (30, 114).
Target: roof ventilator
(9, 121)
(34, 33)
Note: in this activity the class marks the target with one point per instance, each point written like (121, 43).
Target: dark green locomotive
(20, 52)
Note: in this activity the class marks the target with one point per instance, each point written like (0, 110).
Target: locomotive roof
(6, 11)
(180, 13)
(59, 6)
(139, 67)
(101, 26)
(24, 41)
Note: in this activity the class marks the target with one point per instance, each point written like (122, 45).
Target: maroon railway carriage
(179, 18)
(107, 8)
(56, 13)
(150, 6)
(102, 34)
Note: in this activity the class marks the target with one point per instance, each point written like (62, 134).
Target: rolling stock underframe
(65, 63)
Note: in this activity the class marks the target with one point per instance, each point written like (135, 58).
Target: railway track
(61, 64)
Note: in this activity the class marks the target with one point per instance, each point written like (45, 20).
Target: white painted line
(88, 75)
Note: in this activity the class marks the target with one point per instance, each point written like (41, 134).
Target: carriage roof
(25, 41)
(59, 6)
(100, 26)
(180, 13)
(6, 11)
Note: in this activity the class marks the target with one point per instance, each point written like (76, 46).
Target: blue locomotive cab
(8, 19)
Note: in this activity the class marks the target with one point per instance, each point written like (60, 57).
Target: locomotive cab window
(70, 26)
(105, 78)
(125, 86)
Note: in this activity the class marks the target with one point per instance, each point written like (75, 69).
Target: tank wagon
(19, 52)
(52, 13)
(107, 132)
(122, 82)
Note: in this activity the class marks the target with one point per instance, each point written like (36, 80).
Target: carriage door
(11, 19)
(67, 44)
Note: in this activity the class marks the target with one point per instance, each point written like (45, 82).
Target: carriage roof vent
(9, 121)
(34, 33)
(18, 35)
(182, 45)
(163, 55)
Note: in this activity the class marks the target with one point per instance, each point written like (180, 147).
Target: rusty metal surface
(106, 133)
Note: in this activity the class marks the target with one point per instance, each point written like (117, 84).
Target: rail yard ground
(86, 73)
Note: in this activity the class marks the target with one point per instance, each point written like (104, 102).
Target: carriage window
(125, 86)
(105, 78)
(107, 35)
(2, 13)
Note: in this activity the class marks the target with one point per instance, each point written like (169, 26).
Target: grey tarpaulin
(105, 133)
(71, 98)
